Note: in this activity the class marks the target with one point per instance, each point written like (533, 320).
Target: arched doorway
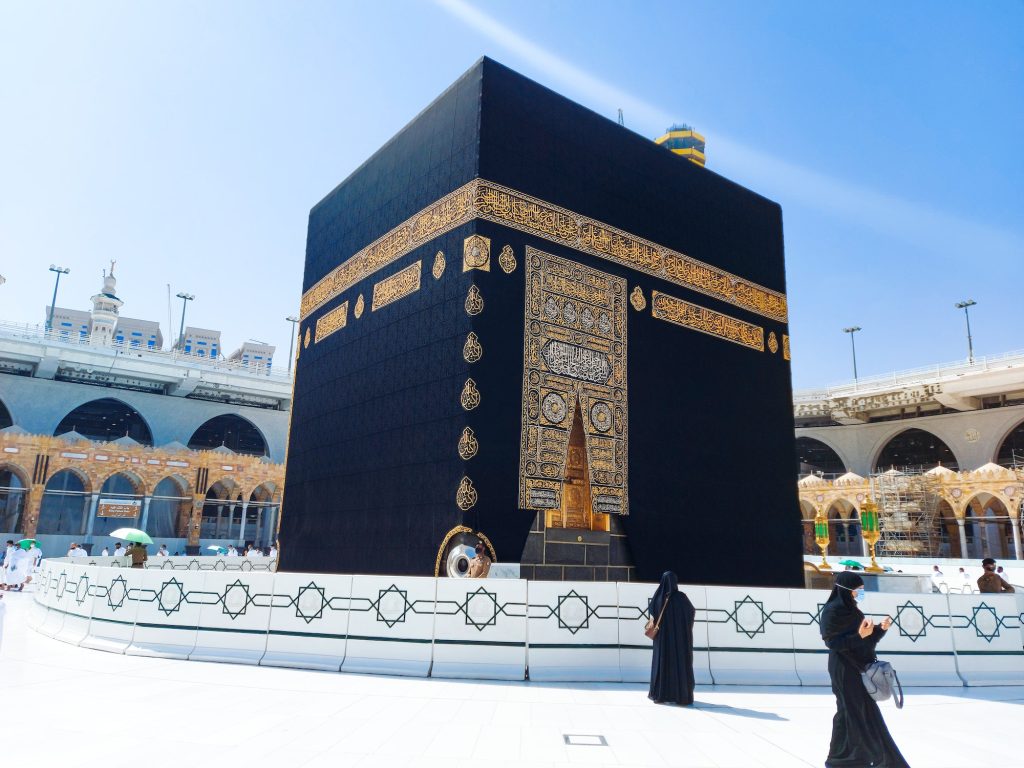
(13, 490)
(65, 505)
(844, 530)
(989, 531)
(222, 510)
(120, 490)
(261, 516)
(169, 509)
(5, 416)
(106, 420)
(231, 431)
(946, 538)
(807, 514)
(1011, 451)
(915, 448)
(814, 457)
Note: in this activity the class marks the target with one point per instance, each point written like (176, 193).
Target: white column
(241, 525)
(91, 522)
(144, 518)
(1015, 525)
(963, 537)
(259, 525)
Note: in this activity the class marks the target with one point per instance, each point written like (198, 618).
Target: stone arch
(815, 455)
(136, 480)
(1011, 447)
(807, 515)
(14, 491)
(64, 507)
(106, 419)
(990, 533)
(231, 431)
(170, 506)
(262, 514)
(6, 418)
(913, 447)
(14, 468)
(221, 509)
(124, 484)
(844, 528)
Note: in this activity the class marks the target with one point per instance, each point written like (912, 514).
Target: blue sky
(189, 140)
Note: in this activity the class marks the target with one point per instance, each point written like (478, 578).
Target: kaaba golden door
(577, 509)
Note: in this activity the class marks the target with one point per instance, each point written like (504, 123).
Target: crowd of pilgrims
(17, 564)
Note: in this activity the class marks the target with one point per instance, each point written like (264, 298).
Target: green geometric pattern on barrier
(482, 608)
(310, 602)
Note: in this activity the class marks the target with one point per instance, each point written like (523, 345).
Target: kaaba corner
(525, 325)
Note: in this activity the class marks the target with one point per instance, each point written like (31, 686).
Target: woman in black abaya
(859, 735)
(672, 664)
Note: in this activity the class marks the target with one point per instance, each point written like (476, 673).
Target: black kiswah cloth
(672, 662)
(859, 736)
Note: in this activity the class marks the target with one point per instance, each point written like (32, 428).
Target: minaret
(105, 306)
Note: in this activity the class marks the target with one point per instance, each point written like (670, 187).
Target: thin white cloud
(945, 235)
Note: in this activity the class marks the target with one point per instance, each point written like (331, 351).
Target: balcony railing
(39, 333)
(915, 376)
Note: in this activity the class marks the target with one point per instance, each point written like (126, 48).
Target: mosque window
(231, 430)
(106, 419)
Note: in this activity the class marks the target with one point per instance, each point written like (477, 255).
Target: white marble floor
(64, 705)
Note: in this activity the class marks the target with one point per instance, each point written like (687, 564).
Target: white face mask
(859, 593)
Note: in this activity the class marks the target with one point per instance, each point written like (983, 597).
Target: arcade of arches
(50, 485)
(979, 512)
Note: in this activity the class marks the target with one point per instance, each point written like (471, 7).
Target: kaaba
(524, 325)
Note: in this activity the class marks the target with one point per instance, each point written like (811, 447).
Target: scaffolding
(908, 507)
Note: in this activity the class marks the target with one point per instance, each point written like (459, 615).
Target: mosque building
(100, 428)
(944, 446)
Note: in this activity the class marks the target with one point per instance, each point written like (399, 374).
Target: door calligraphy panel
(574, 352)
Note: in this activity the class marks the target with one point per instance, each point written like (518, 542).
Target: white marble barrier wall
(574, 631)
(986, 633)
(167, 618)
(391, 625)
(115, 605)
(750, 636)
(308, 621)
(504, 629)
(480, 629)
(234, 617)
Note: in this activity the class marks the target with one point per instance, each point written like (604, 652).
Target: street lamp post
(853, 346)
(185, 299)
(964, 305)
(291, 345)
(60, 271)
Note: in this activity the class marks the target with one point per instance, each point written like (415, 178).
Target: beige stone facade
(979, 512)
(35, 459)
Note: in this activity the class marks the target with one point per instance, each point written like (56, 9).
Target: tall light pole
(291, 345)
(185, 299)
(970, 343)
(852, 330)
(60, 271)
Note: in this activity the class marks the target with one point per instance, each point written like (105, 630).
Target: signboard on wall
(118, 507)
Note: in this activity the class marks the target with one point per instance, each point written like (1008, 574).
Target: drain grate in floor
(584, 740)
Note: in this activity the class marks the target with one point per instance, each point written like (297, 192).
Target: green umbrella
(132, 534)
(26, 543)
(851, 563)
(218, 550)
